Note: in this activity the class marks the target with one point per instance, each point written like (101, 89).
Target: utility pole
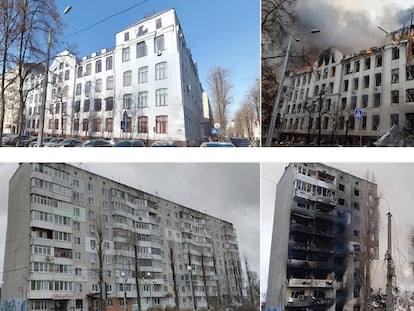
(388, 301)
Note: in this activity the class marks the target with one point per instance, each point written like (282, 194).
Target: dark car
(164, 144)
(216, 144)
(44, 141)
(130, 143)
(241, 142)
(26, 140)
(97, 143)
(71, 142)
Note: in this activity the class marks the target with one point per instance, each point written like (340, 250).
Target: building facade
(147, 87)
(351, 99)
(79, 241)
(325, 235)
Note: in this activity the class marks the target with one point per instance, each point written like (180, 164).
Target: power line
(105, 19)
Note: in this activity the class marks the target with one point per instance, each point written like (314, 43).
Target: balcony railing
(308, 301)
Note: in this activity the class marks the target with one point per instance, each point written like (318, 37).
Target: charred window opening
(355, 84)
(325, 73)
(357, 66)
(409, 72)
(395, 75)
(410, 95)
(347, 68)
(395, 52)
(378, 79)
(378, 61)
(394, 118)
(366, 82)
(341, 187)
(395, 97)
(367, 63)
(364, 101)
(333, 71)
(346, 85)
(375, 122)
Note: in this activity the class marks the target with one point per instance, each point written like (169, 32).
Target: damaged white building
(351, 99)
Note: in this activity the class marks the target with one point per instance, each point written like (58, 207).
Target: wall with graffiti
(14, 304)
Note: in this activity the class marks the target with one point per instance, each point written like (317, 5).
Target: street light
(43, 106)
(280, 88)
(123, 275)
(149, 282)
(189, 269)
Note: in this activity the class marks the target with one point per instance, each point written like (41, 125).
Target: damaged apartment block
(324, 238)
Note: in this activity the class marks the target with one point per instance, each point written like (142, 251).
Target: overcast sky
(395, 186)
(229, 191)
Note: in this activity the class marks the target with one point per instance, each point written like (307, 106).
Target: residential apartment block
(351, 99)
(325, 234)
(147, 87)
(79, 241)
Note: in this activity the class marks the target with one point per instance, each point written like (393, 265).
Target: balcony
(314, 196)
(308, 301)
(306, 264)
(311, 283)
(302, 228)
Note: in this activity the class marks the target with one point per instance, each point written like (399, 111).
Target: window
(127, 101)
(128, 78)
(88, 86)
(108, 61)
(378, 79)
(159, 43)
(357, 66)
(109, 124)
(325, 123)
(161, 71)
(343, 103)
(346, 85)
(395, 97)
(394, 119)
(366, 82)
(67, 75)
(85, 125)
(409, 72)
(57, 108)
(98, 85)
(364, 122)
(126, 36)
(142, 49)
(98, 66)
(158, 23)
(79, 89)
(395, 75)
(80, 71)
(161, 123)
(355, 85)
(375, 122)
(86, 105)
(97, 104)
(395, 53)
(88, 69)
(76, 125)
(109, 103)
(341, 187)
(161, 96)
(109, 82)
(96, 125)
(142, 99)
(142, 124)
(353, 102)
(364, 101)
(409, 93)
(125, 55)
(377, 99)
(143, 75)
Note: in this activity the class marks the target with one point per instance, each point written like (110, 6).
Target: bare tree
(218, 82)
(175, 287)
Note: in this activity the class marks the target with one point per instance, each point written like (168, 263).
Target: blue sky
(218, 32)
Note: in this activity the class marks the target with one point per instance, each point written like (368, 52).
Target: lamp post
(149, 283)
(189, 269)
(123, 275)
(280, 88)
(45, 81)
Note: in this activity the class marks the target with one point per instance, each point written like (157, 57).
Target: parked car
(44, 141)
(241, 142)
(71, 142)
(216, 144)
(130, 143)
(97, 143)
(164, 144)
(54, 142)
(26, 140)
(8, 138)
(12, 140)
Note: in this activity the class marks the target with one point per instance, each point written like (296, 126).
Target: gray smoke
(348, 31)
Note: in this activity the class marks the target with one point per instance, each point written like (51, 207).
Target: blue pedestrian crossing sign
(358, 113)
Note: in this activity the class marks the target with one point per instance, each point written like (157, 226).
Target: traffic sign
(358, 114)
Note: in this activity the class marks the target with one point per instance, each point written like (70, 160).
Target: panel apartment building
(79, 241)
(147, 87)
(325, 234)
(321, 100)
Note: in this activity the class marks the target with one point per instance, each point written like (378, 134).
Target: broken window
(377, 99)
(367, 63)
(357, 233)
(355, 85)
(378, 79)
(330, 88)
(409, 73)
(395, 52)
(395, 97)
(348, 68)
(364, 122)
(394, 118)
(357, 66)
(364, 101)
(325, 73)
(341, 187)
(346, 84)
(378, 61)
(343, 103)
(328, 104)
(375, 122)
(316, 90)
(318, 75)
(410, 95)
(366, 82)
(395, 75)
(333, 69)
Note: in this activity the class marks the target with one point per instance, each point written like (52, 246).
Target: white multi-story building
(377, 83)
(147, 87)
(325, 237)
(76, 240)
